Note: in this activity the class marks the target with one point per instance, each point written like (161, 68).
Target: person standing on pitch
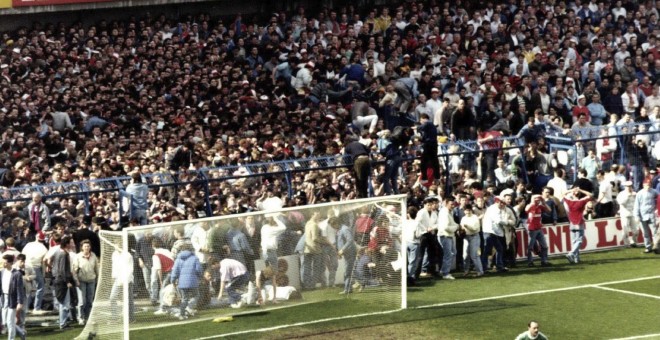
(534, 210)
(427, 219)
(576, 207)
(12, 296)
(446, 229)
(532, 332)
(626, 201)
(644, 211)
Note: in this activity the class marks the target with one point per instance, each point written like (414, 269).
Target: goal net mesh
(297, 264)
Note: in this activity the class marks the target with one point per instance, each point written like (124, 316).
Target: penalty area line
(596, 285)
(304, 323)
(628, 292)
(645, 336)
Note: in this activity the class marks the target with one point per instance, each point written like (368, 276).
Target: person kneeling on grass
(233, 276)
(532, 333)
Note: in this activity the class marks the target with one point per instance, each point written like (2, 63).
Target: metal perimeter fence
(634, 149)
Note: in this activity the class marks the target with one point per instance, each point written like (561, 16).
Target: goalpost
(312, 258)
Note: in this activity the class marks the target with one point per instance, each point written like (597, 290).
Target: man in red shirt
(535, 231)
(575, 213)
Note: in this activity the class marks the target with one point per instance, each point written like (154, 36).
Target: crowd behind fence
(223, 190)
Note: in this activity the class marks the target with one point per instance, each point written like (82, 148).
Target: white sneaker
(191, 311)
(238, 304)
(448, 277)
(160, 312)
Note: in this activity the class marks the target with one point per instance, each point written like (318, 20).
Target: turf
(573, 308)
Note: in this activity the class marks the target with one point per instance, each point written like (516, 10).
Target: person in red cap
(576, 207)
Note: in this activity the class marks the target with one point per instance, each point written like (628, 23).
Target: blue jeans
(64, 308)
(473, 246)
(39, 296)
(9, 319)
(140, 216)
(392, 175)
(537, 235)
(493, 241)
(88, 290)
(236, 283)
(414, 257)
(647, 230)
(448, 253)
(577, 235)
(188, 299)
(349, 260)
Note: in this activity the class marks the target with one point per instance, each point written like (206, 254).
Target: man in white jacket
(497, 217)
(446, 229)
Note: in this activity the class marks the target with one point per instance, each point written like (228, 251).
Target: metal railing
(467, 149)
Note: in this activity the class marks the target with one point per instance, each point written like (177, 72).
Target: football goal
(326, 261)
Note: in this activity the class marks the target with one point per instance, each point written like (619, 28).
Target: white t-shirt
(605, 188)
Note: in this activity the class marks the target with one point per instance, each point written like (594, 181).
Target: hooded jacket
(187, 270)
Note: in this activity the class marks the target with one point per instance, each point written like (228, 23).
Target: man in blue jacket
(186, 273)
(139, 193)
(12, 295)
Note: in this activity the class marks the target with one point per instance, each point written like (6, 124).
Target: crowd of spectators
(159, 96)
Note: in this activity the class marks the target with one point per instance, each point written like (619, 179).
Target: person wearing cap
(581, 108)
(496, 218)
(12, 296)
(434, 104)
(626, 200)
(644, 211)
(304, 76)
(427, 220)
(447, 226)
(534, 211)
(576, 206)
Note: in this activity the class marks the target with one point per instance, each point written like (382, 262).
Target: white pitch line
(537, 292)
(628, 292)
(646, 336)
(427, 306)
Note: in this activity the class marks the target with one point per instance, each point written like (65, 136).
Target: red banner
(24, 3)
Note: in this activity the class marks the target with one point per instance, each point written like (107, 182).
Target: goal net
(280, 267)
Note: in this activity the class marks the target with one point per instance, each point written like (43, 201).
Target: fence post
(207, 200)
(289, 182)
(448, 187)
(85, 197)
